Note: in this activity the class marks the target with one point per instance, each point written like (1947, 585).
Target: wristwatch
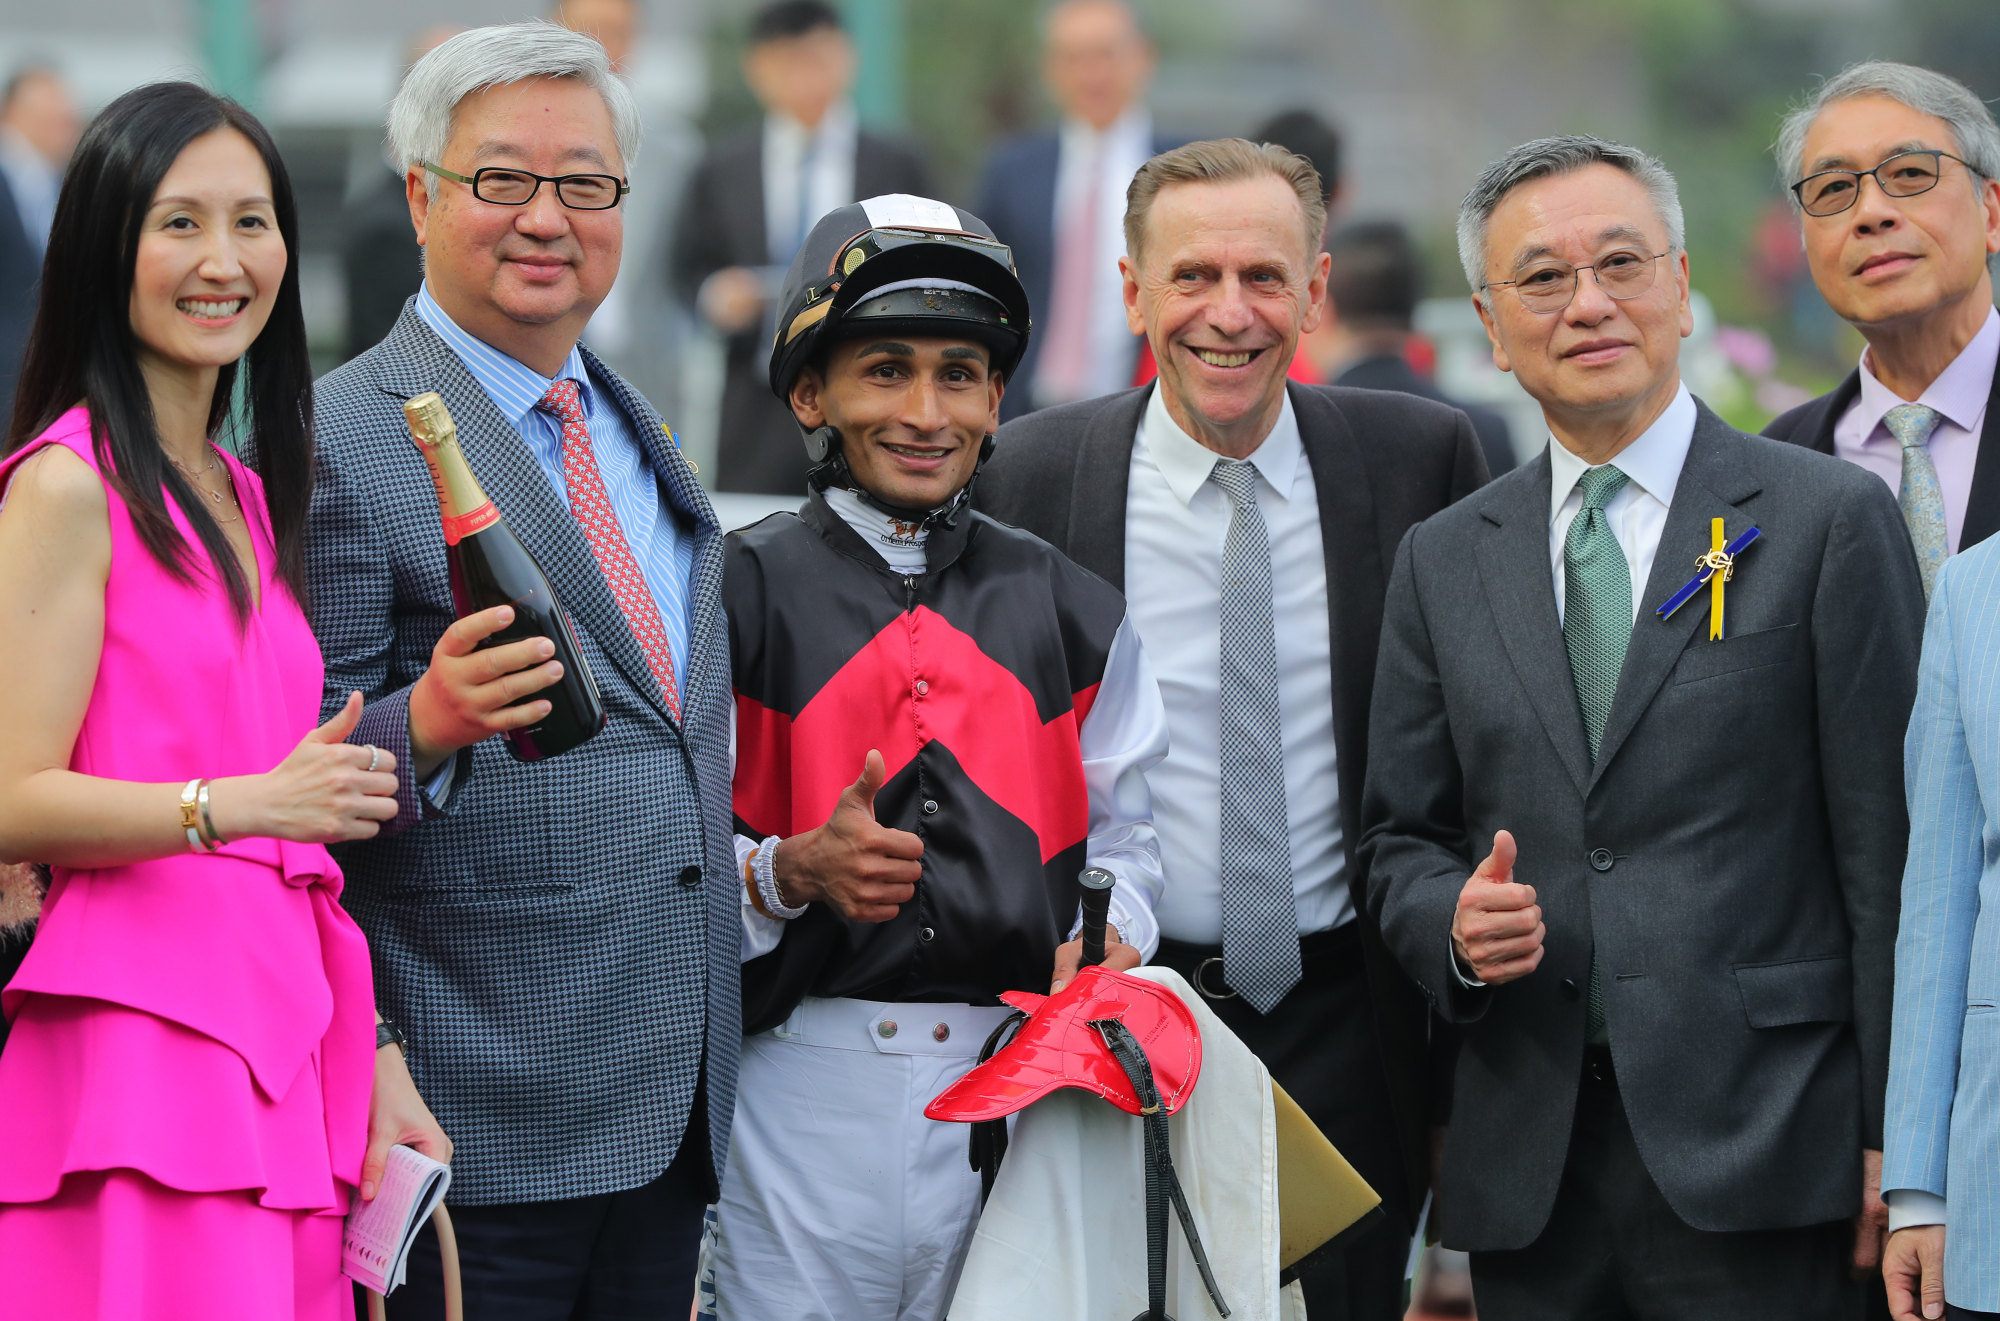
(387, 1034)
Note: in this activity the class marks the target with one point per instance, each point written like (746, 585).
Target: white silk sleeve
(1123, 736)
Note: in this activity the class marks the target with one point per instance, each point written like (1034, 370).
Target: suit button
(1601, 859)
(690, 875)
(930, 807)
(1569, 991)
(923, 686)
(927, 935)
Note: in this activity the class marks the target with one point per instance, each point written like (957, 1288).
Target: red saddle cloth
(1057, 1047)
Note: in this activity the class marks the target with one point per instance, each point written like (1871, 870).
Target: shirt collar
(836, 125)
(514, 387)
(1186, 463)
(1653, 461)
(1135, 126)
(1960, 391)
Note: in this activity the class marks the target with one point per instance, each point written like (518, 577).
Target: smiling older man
(1250, 523)
(1671, 971)
(559, 939)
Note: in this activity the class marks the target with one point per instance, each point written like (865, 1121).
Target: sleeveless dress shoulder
(191, 1040)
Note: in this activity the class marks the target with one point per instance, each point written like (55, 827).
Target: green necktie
(1597, 625)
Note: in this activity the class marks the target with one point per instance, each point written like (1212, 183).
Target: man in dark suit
(1057, 197)
(559, 939)
(1372, 289)
(38, 129)
(1900, 252)
(1674, 1008)
(751, 202)
(1250, 522)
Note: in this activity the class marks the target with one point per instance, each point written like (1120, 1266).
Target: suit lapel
(1354, 575)
(1820, 436)
(1713, 482)
(1521, 589)
(508, 471)
(1096, 536)
(1982, 503)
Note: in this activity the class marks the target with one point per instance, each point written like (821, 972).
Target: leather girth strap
(1162, 1183)
(988, 1142)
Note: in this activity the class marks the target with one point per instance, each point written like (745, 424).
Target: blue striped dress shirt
(662, 546)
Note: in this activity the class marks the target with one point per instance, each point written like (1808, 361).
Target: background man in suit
(1900, 252)
(1675, 1013)
(1372, 288)
(1228, 504)
(1944, 1051)
(752, 201)
(1057, 197)
(39, 127)
(559, 939)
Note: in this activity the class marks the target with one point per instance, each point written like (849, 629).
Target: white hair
(420, 116)
(1925, 91)
(1560, 155)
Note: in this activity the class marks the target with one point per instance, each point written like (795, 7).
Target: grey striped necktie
(1260, 921)
(1597, 627)
(1920, 495)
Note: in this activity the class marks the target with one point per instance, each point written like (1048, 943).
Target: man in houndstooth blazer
(559, 940)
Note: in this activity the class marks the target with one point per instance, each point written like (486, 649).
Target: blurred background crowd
(761, 117)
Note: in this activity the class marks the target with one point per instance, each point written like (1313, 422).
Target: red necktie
(1065, 363)
(592, 507)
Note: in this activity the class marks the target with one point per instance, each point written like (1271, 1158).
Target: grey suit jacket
(561, 941)
(1733, 856)
(1380, 462)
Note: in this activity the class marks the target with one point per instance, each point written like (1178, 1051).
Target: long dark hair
(82, 348)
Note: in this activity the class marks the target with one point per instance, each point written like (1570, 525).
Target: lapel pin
(1713, 569)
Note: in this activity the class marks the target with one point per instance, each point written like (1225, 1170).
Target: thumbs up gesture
(866, 870)
(1497, 929)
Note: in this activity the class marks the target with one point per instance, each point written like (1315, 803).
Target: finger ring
(374, 756)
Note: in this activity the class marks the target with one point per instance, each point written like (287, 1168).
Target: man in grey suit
(1671, 972)
(560, 939)
(1259, 603)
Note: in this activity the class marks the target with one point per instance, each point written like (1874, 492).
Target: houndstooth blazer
(559, 940)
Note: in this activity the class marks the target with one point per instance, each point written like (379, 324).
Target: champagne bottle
(489, 567)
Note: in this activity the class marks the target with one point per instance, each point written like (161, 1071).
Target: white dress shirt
(1122, 739)
(1175, 523)
(1637, 514)
(1959, 393)
(1118, 152)
(829, 183)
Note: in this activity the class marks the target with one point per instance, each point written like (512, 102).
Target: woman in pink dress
(192, 1084)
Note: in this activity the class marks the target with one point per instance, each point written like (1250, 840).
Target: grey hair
(1925, 91)
(420, 116)
(1552, 156)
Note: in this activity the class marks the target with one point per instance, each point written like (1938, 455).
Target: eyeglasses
(504, 186)
(1549, 287)
(1905, 174)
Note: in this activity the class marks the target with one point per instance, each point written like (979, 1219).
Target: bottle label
(457, 527)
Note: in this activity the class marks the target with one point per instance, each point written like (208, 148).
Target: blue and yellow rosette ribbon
(1714, 570)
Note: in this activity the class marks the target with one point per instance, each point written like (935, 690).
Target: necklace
(195, 476)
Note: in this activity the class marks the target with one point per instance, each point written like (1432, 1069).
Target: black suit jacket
(1389, 371)
(722, 224)
(1733, 856)
(381, 261)
(1017, 197)
(1811, 424)
(20, 275)
(1380, 463)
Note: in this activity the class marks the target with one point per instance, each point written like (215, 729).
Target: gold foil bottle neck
(430, 421)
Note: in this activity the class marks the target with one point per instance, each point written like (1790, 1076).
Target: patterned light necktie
(1260, 920)
(1597, 626)
(591, 504)
(1064, 370)
(1920, 495)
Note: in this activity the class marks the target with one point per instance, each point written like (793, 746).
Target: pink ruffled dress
(184, 1096)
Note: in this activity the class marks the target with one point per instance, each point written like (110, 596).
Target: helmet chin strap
(823, 446)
